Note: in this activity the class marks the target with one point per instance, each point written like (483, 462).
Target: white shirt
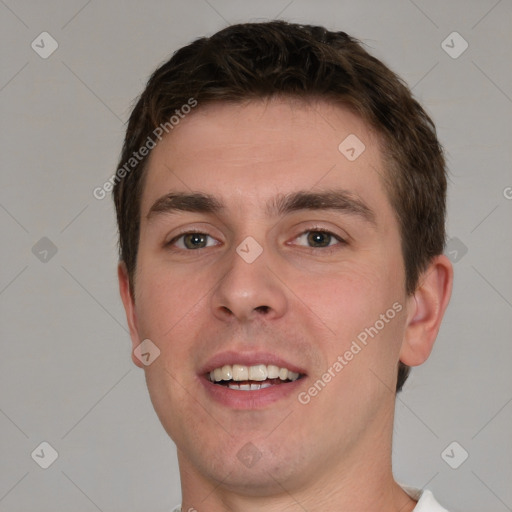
(426, 501)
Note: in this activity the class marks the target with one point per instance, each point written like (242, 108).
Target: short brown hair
(276, 58)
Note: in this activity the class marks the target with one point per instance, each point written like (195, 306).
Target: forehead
(248, 153)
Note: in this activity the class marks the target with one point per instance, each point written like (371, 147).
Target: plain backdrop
(66, 377)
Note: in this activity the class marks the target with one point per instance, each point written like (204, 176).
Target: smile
(251, 378)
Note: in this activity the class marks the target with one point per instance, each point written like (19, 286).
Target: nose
(249, 291)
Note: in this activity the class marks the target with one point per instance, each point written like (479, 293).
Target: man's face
(296, 294)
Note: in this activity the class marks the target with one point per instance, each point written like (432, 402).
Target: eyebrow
(334, 199)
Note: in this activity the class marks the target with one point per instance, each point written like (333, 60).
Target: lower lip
(255, 399)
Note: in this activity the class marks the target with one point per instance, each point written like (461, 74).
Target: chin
(242, 467)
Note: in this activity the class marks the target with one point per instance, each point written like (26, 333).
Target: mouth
(242, 380)
(251, 378)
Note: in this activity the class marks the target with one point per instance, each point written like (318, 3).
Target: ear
(129, 307)
(425, 311)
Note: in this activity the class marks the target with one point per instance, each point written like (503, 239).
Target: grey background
(66, 374)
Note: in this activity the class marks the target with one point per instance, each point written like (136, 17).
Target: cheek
(167, 298)
(345, 299)
(363, 304)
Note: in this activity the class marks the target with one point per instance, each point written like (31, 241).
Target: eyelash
(313, 229)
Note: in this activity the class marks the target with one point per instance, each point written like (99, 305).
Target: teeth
(259, 372)
(217, 374)
(249, 387)
(227, 372)
(240, 372)
(273, 371)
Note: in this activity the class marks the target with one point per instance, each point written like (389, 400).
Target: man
(281, 202)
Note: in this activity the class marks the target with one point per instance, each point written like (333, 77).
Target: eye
(192, 240)
(319, 238)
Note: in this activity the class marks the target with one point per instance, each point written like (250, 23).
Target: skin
(334, 453)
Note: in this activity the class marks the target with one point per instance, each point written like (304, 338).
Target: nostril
(263, 309)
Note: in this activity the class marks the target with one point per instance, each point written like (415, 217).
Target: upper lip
(248, 359)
